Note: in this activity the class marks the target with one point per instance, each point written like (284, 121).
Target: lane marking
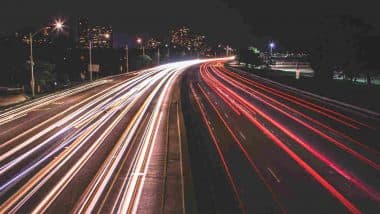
(181, 161)
(242, 135)
(274, 175)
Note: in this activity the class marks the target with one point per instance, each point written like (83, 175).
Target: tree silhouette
(337, 46)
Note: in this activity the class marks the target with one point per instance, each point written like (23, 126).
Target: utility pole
(158, 55)
(58, 25)
(126, 58)
(167, 46)
(32, 82)
(90, 57)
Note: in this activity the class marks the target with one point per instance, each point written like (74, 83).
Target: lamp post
(167, 46)
(126, 58)
(90, 57)
(90, 67)
(139, 41)
(58, 25)
(271, 46)
(158, 55)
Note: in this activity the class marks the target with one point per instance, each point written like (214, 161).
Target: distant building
(83, 32)
(41, 39)
(99, 35)
(189, 41)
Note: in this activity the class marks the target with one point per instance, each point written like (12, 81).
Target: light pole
(126, 58)
(90, 67)
(271, 46)
(58, 25)
(158, 55)
(90, 57)
(139, 41)
(168, 50)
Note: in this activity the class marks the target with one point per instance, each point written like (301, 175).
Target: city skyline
(159, 17)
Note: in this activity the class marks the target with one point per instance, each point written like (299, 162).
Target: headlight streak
(15, 113)
(84, 122)
(116, 154)
(85, 110)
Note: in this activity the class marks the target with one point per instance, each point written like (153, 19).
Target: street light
(58, 25)
(158, 55)
(139, 41)
(271, 46)
(227, 50)
(167, 46)
(158, 51)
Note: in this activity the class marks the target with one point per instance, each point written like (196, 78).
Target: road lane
(85, 149)
(341, 167)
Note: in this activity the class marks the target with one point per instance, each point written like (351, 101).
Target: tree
(337, 46)
(250, 57)
(13, 59)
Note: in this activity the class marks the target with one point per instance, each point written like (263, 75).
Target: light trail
(339, 117)
(219, 151)
(244, 150)
(57, 141)
(23, 109)
(243, 107)
(317, 131)
(345, 173)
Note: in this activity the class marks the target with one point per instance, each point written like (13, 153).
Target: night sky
(238, 22)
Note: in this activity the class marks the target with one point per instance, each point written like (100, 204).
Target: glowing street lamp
(271, 46)
(139, 41)
(58, 25)
(167, 46)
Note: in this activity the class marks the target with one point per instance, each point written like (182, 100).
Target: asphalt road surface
(188, 137)
(99, 147)
(262, 147)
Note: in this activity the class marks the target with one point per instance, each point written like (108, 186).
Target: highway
(278, 149)
(188, 137)
(98, 147)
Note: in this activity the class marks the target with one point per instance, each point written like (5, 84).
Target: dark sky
(291, 22)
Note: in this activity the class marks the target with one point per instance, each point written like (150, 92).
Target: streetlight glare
(58, 24)
(107, 35)
(139, 40)
(272, 44)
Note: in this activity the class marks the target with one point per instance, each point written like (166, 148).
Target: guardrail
(10, 91)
